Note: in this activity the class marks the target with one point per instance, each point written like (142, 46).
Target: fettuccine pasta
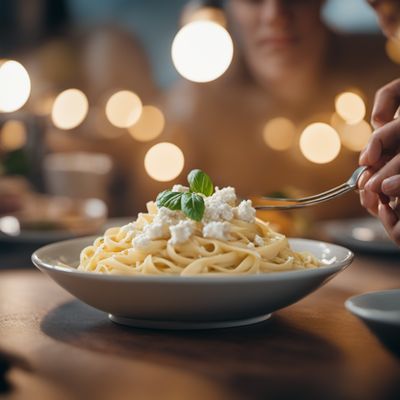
(249, 247)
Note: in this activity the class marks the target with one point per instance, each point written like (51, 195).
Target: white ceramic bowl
(380, 311)
(174, 302)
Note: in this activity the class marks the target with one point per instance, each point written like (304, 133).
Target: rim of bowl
(369, 312)
(324, 270)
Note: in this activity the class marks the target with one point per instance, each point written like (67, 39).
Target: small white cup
(79, 175)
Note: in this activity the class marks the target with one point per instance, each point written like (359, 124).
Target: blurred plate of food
(362, 234)
(45, 219)
(289, 222)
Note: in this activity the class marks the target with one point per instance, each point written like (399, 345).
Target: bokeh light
(351, 107)
(202, 51)
(279, 133)
(13, 135)
(319, 143)
(15, 86)
(10, 225)
(355, 137)
(336, 121)
(164, 161)
(69, 109)
(393, 50)
(123, 109)
(150, 125)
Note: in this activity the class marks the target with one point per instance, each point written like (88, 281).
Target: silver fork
(315, 199)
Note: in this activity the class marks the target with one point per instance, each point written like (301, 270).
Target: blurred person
(288, 64)
(380, 185)
(98, 60)
(388, 12)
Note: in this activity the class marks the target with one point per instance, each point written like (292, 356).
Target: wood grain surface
(61, 348)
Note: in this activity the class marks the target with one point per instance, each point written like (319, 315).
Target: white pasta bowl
(196, 302)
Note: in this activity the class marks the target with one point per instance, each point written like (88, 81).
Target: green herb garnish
(191, 202)
(169, 199)
(200, 182)
(193, 205)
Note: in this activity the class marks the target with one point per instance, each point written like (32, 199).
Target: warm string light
(15, 86)
(202, 51)
(320, 143)
(149, 126)
(351, 107)
(123, 109)
(69, 109)
(13, 135)
(355, 137)
(164, 161)
(393, 50)
(194, 45)
(279, 133)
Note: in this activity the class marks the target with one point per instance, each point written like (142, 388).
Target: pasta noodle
(252, 248)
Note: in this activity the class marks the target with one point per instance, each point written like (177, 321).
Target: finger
(391, 186)
(390, 221)
(363, 181)
(364, 178)
(370, 201)
(390, 169)
(387, 101)
(384, 140)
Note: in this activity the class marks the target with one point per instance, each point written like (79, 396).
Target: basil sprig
(191, 202)
(193, 205)
(169, 199)
(200, 182)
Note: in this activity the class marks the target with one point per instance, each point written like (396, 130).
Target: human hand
(380, 184)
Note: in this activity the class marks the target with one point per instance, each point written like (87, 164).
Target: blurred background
(104, 103)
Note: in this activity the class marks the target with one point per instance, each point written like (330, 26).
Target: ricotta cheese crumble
(220, 209)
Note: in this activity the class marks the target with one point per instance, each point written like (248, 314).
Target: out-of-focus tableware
(380, 311)
(45, 219)
(78, 175)
(363, 234)
(176, 302)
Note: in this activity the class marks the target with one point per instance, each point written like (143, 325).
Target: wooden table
(314, 349)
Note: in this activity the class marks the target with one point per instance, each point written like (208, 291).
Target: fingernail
(363, 156)
(390, 184)
(368, 185)
(362, 181)
(376, 124)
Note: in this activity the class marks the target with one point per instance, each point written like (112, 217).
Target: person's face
(389, 16)
(276, 35)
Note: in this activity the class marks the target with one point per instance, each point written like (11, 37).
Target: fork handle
(311, 202)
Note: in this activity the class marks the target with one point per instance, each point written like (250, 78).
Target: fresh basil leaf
(200, 182)
(169, 199)
(192, 205)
